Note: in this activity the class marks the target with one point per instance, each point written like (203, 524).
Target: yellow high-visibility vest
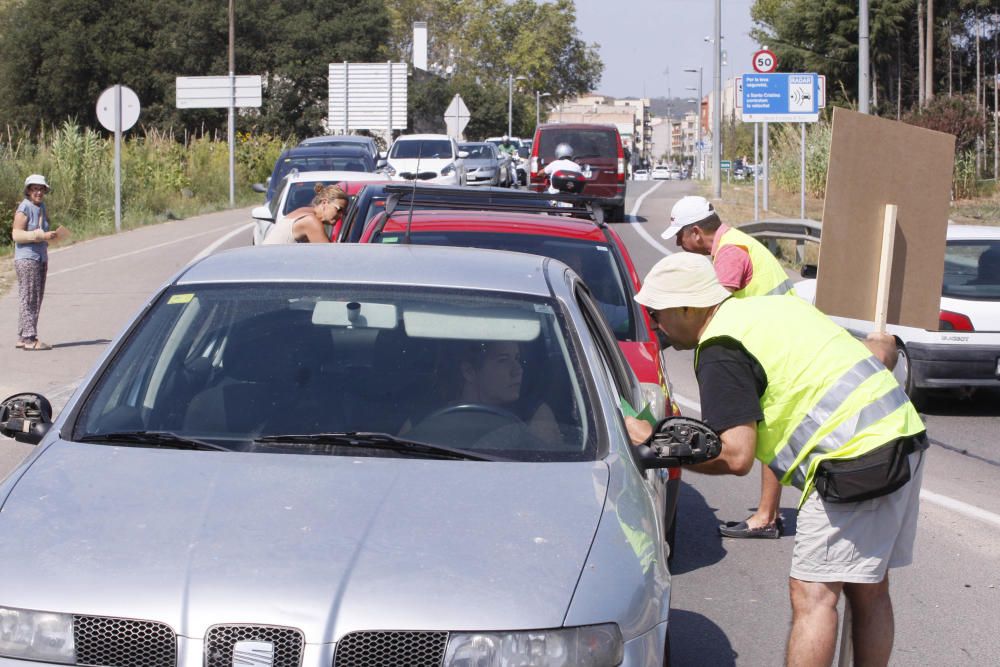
(827, 397)
(768, 277)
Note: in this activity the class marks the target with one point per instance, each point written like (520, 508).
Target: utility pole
(863, 68)
(716, 110)
(232, 102)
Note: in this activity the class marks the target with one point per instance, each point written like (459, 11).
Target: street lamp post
(701, 173)
(716, 108)
(510, 101)
(538, 103)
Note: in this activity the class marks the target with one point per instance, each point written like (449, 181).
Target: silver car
(484, 165)
(342, 455)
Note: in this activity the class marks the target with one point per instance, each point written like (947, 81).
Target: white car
(640, 175)
(295, 191)
(661, 172)
(434, 158)
(964, 352)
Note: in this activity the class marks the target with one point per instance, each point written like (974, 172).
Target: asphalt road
(729, 600)
(729, 596)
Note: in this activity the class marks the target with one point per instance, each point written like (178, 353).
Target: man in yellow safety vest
(745, 267)
(782, 382)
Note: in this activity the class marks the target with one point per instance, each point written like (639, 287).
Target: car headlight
(448, 169)
(36, 635)
(585, 646)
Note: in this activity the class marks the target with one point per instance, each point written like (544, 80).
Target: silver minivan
(342, 455)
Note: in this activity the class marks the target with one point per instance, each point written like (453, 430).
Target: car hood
(327, 544)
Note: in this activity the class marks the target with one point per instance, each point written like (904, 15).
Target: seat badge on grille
(253, 654)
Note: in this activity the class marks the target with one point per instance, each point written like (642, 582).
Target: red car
(593, 250)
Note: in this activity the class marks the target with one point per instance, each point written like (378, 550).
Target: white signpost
(456, 117)
(118, 110)
(214, 92)
(367, 96)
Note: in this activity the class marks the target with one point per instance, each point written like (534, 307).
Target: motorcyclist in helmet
(507, 146)
(564, 162)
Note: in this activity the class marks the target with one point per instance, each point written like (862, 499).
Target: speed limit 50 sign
(765, 61)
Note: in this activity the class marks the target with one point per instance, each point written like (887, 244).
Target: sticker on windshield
(180, 298)
(601, 248)
(390, 239)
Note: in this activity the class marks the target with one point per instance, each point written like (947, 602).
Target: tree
(60, 54)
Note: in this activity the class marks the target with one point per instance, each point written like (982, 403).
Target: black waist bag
(877, 473)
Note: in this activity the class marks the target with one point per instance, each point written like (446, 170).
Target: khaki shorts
(858, 542)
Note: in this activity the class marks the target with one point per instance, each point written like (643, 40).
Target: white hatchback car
(640, 175)
(661, 172)
(964, 352)
(434, 158)
(297, 190)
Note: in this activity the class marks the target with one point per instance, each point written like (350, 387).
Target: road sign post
(221, 92)
(118, 110)
(456, 117)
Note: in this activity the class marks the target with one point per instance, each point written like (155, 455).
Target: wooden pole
(885, 268)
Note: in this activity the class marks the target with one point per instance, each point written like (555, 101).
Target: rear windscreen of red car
(596, 143)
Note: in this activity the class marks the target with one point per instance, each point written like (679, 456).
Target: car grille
(123, 642)
(422, 176)
(386, 649)
(220, 640)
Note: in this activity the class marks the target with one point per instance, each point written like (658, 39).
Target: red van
(599, 146)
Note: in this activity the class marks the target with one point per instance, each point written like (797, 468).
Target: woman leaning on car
(309, 223)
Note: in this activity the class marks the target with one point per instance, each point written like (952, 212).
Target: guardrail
(799, 229)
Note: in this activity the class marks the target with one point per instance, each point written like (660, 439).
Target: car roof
(323, 150)
(334, 176)
(374, 264)
(964, 232)
(414, 137)
(496, 221)
(577, 126)
(346, 138)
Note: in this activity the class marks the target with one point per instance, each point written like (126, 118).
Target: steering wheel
(494, 410)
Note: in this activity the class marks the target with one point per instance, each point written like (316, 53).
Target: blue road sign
(781, 97)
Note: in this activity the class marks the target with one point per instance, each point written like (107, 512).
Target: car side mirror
(808, 271)
(258, 187)
(463, 154)
(261, 213)
(383, 155)
(679, 441)
(26, 417)
(381, 163)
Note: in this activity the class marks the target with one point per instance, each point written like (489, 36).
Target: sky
(647, 44)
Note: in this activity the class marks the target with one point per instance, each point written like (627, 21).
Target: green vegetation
(162, 178)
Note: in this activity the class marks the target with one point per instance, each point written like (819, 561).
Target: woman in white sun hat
(31, 238)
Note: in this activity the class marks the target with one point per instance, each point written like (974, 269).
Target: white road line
(212, 248)
(965, 509)
(639, 228)
(133, 252)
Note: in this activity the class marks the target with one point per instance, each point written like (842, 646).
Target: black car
(316, 158)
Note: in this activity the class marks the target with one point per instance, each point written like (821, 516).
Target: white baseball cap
(687, 211)
(683, 279)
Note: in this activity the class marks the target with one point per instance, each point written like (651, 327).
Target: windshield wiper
(164, 439)
(378, 441)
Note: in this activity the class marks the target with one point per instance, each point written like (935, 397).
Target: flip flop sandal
(740, 529)
(19, 344)
(37, 345)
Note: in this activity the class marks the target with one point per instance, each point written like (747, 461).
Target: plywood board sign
(874, 162)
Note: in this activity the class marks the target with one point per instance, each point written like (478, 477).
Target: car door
(623, 380)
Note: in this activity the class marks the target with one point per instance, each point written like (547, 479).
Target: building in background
(630, 115)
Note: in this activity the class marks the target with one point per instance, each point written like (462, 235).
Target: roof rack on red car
(515, 201)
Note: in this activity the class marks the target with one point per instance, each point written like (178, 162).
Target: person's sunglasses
(37, 188)
(651, 312)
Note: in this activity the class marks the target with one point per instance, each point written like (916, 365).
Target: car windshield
(478, 151)
(594, 262)
(231, 364)
(586, 143)
(421, 148)
(972, 269)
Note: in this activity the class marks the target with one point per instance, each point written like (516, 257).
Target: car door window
(618, 370)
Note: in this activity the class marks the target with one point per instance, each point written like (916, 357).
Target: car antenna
(413, 197)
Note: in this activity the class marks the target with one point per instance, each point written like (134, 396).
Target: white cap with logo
(687, 211)
(683, 279)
